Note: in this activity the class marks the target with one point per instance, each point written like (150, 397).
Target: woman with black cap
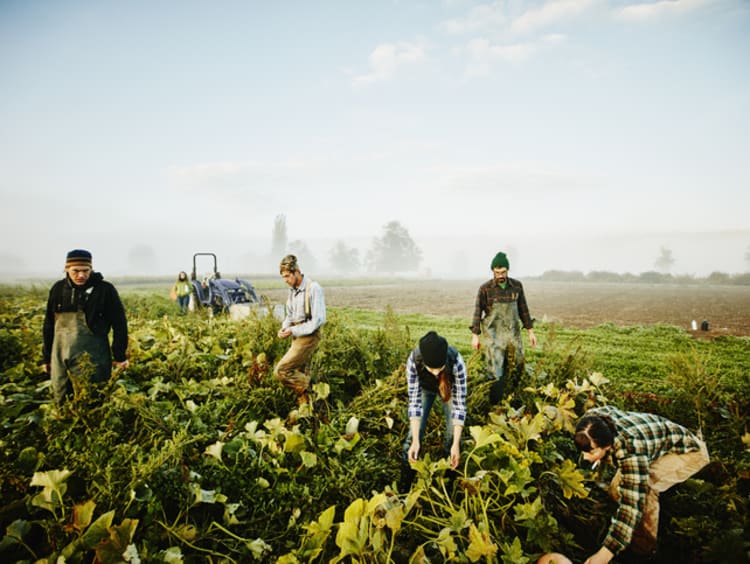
(433, 369)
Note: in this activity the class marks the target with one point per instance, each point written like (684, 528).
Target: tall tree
(343, 259)
(665, 260)
(305, 258)
(279, 237)
(395, 251)
(142, 259)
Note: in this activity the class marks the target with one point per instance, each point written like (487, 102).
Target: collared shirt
(641, 439)
(490, 293)
(458, 390)
(296, 319)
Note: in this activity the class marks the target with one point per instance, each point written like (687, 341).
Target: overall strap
(308, 311)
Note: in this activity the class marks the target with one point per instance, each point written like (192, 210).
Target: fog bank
(694, 254)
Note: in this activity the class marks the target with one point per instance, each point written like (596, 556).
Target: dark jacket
(101, 303)
(428, 380)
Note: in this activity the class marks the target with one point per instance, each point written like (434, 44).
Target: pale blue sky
(579, 134)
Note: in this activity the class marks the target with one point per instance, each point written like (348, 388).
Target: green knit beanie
(500, 261)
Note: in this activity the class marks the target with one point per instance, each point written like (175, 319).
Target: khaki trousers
(663, 473)
(291, 369)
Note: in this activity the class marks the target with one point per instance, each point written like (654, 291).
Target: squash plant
(195, 453)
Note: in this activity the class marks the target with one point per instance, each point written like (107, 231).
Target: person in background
(499, 311)
(651, 455)
(305, 315)
(82, 309)
(433, 369)
(182, 289)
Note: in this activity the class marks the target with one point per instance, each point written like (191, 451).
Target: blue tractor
(222, 295)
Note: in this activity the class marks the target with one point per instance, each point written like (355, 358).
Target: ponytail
(444, 387)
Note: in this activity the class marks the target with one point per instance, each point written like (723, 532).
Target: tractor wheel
(217, 306)
(195, 301)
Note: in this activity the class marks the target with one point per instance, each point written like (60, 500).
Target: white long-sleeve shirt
(296, 319)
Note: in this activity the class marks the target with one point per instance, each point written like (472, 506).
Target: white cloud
(483, 53)
(550, 14)
(387, 58)
(501, 16)
(480, 18)
(663, 8)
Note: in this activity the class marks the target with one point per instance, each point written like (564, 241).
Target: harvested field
(578, 305)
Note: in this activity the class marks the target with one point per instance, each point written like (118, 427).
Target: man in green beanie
(499, 312)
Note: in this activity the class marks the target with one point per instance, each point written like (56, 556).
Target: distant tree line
(393, 252)
(649, 277)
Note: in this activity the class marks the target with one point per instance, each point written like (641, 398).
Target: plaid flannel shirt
(458, 391)
(491, 292)
(641, 439)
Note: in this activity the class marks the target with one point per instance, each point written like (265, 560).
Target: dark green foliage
(199, 444)
(11, 351)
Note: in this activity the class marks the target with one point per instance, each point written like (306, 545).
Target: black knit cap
(78, 257)
(434, 350)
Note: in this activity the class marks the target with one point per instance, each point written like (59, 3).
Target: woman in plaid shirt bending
(651, 454)
(434, 370)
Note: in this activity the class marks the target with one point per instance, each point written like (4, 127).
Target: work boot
(450, 480)
(497, 390)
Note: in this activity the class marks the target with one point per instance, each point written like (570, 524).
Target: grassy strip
(636, 357)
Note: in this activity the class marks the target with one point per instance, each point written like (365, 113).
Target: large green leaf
(215, 450)
(294, 442)
(513, 553)
(483, 436)
(351, 537)
(309, 459)
(527, 511)
(570, 479)
(82, 515)
(118, 543)
(15, 533)
(480, 544)
(54, 487)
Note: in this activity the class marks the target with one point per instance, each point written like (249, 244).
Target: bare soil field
(577, 305)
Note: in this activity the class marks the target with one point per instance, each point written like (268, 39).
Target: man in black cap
(433, 369)
(82, 309)
(499, 311)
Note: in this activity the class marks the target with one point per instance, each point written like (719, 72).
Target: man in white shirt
(305, 315)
